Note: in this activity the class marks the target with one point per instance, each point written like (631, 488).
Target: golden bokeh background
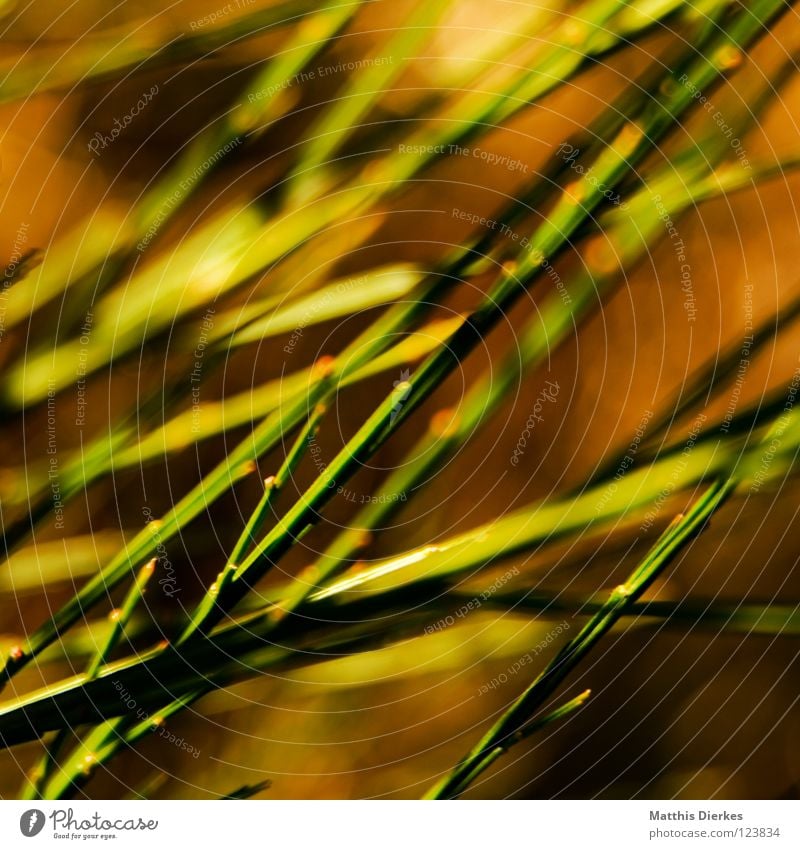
(677, 710)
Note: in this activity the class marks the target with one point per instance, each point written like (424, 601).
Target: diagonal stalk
(511, 725)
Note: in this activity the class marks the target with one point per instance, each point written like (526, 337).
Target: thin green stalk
(108, 740)
(256, 109)
(240, 242)
(562, 712)
(513, 721)
(345, 297)
(248, 791)
(239, 463)
(121, 616)
(275, 483)
(738, 617)
(357, 97)
(362, 351)
(35, 785)
(627, 148)
(217, 592)
(543, 333)
(114, 54)
(377, 589)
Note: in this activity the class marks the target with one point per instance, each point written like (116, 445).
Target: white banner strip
(403, 825)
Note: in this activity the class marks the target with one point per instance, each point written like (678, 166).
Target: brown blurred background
(677, 711)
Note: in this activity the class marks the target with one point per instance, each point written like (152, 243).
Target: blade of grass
(97, 58)
(512, 724)
(613, 165)
(248, 117)
(36, 783)
(482, 764)
(354, 100)
(217, 592)
(237, 649)
(610, 166)
(291, 411)
(232, 258)
(248, 791)
(628, 146)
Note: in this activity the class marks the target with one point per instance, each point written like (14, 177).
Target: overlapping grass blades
(322, 609)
